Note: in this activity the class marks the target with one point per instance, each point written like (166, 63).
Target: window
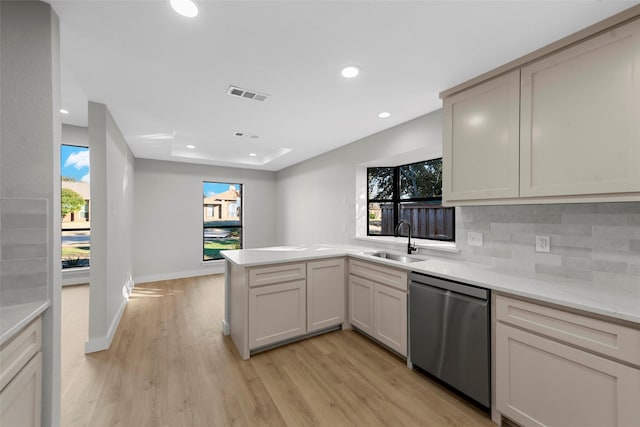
(75, 206)
(412, 193)
(222, 218)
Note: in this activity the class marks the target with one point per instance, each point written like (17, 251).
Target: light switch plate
(474, 239)
(543, 244)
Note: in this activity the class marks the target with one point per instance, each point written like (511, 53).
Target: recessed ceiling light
(191, 146)
(350, 72)
(254, 137)
(63, 111)
(252, 154)
(384, 115)
(186, 8)
(238, 133)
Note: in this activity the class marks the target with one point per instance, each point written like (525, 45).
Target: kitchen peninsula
(590, 297)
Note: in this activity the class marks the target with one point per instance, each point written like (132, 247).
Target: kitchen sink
(395, 257)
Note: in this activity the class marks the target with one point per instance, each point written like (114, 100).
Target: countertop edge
(26, 313)
(295, 257)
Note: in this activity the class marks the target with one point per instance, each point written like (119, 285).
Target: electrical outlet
(474, 239)
(543, 244)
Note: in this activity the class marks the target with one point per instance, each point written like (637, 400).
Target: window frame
(397, 201)
(85, 215)
(232, 227)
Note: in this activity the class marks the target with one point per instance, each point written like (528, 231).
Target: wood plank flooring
(170, 365)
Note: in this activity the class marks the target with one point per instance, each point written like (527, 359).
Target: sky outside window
(75, 162)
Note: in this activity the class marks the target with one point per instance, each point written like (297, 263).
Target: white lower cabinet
(390, 318)
(325, 294)
(20, 400)
(277, 313)
(288, 301)
(361, 294)
(542, 382)
(21, 378)
(379, 309)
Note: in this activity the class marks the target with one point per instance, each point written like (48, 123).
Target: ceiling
(165, 77)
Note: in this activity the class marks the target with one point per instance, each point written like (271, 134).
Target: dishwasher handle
(472, 291)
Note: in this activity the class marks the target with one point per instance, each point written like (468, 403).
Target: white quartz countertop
(280, 254)
(15, 317)
(612, 300)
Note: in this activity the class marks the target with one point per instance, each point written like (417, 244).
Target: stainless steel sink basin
(395, 257)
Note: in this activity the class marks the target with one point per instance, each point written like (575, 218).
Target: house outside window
(412, 193)
(222, 218)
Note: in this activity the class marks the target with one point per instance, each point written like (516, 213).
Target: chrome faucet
(410, 247)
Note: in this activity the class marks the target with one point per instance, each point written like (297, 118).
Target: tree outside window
(412, 193)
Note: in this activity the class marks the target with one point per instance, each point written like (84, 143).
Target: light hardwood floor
(170, 365)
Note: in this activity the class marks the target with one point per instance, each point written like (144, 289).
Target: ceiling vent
(249, 94)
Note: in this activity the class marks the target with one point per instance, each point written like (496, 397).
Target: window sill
(433, 245)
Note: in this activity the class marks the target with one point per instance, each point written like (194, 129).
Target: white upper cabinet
(481, 137)
(560, 126)
(580, 122)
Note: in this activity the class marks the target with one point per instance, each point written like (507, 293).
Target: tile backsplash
(592, 241)
(23, 251)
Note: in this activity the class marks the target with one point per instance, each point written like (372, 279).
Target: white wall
(168, 216)
(75, 135)
(30, 152)
(112, 198)
(318, 198)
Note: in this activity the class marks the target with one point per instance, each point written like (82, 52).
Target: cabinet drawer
(277, 274)
(617, 341)
(380, 274)
(17, 352)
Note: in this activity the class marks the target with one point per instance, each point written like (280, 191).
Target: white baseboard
(214, 269)
(93, 345)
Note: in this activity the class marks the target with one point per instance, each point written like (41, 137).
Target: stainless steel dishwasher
(449, 334)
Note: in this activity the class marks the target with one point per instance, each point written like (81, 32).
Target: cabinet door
(390, 318)
(325, 294)
(17, 352)
(540, 382)
(20, 400)
(481, 141)
(277, 313)
(361, 303)
(580, 123)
